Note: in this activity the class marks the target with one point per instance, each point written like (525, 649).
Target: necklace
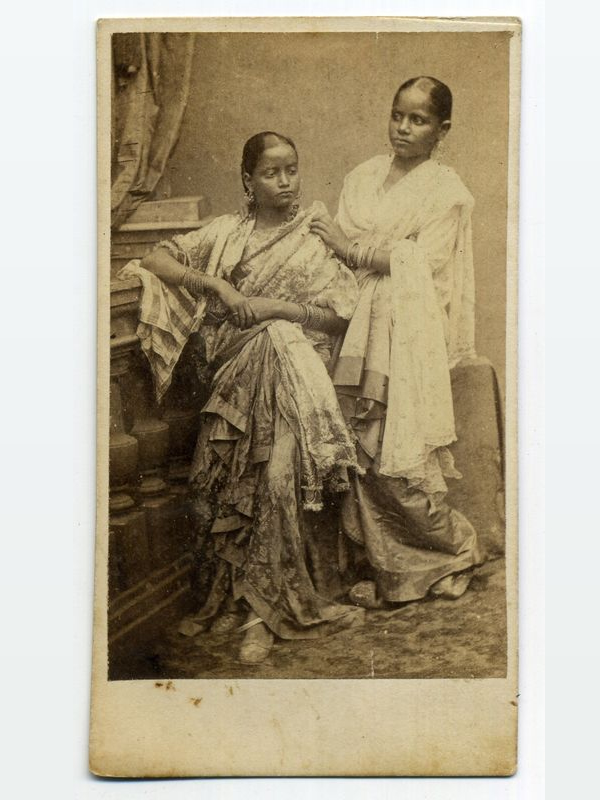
(290, 217)
(280, 231)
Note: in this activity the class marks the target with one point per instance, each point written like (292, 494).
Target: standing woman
(404, 225)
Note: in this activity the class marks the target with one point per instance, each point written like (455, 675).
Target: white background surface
(47, 153)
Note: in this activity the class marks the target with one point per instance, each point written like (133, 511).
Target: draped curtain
(151, 80)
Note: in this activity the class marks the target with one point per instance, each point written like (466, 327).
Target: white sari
(412, 326)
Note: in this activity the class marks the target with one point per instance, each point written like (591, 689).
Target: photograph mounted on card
(307, 453)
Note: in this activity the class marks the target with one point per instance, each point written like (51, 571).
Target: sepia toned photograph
(307, 394)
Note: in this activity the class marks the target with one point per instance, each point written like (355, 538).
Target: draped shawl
(425, 338)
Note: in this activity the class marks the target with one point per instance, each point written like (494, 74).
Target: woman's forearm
(168, 269)
(372, 259)
(164, 266)
(326, 321)
(309, 316)
(380, 262)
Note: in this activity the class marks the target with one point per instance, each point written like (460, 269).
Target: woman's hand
(331, 233)
(240, 310)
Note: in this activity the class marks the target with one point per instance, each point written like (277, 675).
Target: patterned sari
(272, 436)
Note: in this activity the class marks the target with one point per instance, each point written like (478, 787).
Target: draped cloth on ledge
(151, 80)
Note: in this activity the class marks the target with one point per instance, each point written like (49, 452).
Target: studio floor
(464, 638)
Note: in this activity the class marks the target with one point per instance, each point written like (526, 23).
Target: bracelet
(352, 254)
(358, 257)
(362, 257)
(303, 316)
(317, 317)
(194, 281)
(370, 256)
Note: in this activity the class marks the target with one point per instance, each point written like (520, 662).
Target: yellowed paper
(422, 688)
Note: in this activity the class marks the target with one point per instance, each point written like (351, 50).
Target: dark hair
(439, 94)
(256, 146)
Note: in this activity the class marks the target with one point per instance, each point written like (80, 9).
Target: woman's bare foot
(452, 586)
(257, 643)
(189, 627)
(229, 618)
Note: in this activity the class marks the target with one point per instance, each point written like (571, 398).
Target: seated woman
(267, 296)
(404, 223)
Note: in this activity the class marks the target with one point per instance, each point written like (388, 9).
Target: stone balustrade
(150, 448)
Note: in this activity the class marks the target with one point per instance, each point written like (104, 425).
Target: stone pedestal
(478, 451)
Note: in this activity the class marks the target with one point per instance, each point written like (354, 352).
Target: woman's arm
(169, 270)
(308, 315)
(373, 259)
(437, 239)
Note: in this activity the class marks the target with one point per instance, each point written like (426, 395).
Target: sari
(272, 437)
(393, 372)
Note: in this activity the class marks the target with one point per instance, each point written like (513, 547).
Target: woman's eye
(293, 170)
(418, 120)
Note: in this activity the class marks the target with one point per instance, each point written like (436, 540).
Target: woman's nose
(403, 125)
(284, 179)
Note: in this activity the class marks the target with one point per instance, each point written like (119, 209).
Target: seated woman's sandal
(257, 643)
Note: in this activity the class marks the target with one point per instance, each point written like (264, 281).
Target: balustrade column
(128, 559)
(183, 403)
(152, 435)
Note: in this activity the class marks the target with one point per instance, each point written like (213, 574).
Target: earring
(250, 199)
(293, 212)
(295, 207)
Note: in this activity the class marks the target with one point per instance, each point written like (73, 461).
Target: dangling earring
(250, 199)
(295, 207)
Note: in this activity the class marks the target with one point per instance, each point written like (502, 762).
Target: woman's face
(414, 129)
(275, 180)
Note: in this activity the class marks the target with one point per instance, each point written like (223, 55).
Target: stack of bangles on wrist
(358, 257)
(194, 281)
(310, 316)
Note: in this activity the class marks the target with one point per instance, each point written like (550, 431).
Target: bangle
(194, 281)
(316, 317)
(351, 254)
(362, 257)
(370, 256)
(303, 315)
(347, 258)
